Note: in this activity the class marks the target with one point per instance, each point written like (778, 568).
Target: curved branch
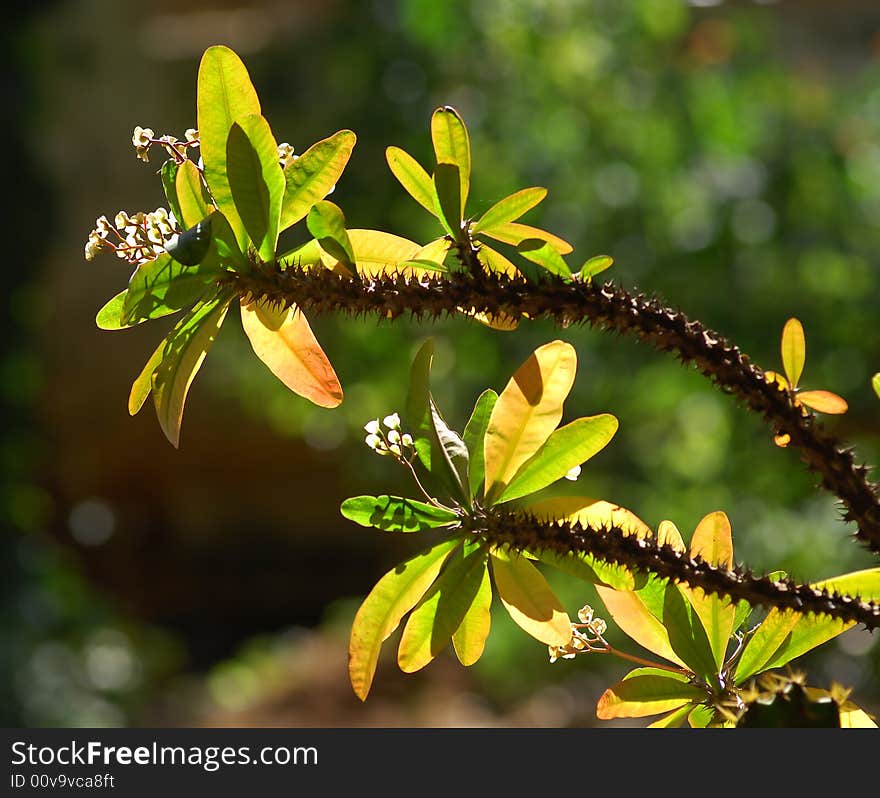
(607, 307)
(612, 544)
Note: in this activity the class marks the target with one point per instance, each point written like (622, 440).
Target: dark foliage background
(726, 154)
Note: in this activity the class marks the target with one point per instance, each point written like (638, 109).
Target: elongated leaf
(442, 610)
(823, 401)
(164, 286)
(567, 447)
(469, 639)
(452, 145)
(143, 383)
(526, 413)
(793, 351)
(284, 341)
(435, 251)
(256, 181)
(495, 262)
(687, 636)
(326, 223)
(712, 541)
(453, 450)
(225, 94)
(377, 253)
(309, 178)
(674, 720)
(109, 317)
(515, 233)
(668, 535)
(184, 351)
(875, 384)
(168, 173)
(529, 600)
(700, 717)
(394, 595)
(545, 255)
(412, 176)
(474, 434)
(589, 568)
(190, 195)
(766, 640)
(595, 265)
(447, 191)
(643, 695)
(510, 208)
(396, 514)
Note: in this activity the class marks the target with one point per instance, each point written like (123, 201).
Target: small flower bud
(585, 614)
(394, 436)
(373, 441)
(372, 426)
(392, 421)
(191, 134)
(395, 450)
(406, 440)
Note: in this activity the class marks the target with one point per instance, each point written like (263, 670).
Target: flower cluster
(143, 138)
(136, 239)
(394, 442)
(586, 636)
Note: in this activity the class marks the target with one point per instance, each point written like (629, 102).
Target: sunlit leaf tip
(793, 350)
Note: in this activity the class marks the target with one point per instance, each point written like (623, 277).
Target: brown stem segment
(612, 544)
(607, 307)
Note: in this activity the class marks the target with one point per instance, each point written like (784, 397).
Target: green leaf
(589, 568)
(164, 286)
(225, 95)
(454, 452)
(700, 717)
(510, 208)
(168, 173)
(452, 145)
(526, 413)
(412, 176)
(190, 195)
(514, 233)
(686, 634)
(875, 383)
(109, 317)
(567, 447)
(529, 600)
(326, 223)
(377, 253)
(447, 190)
(642, 695)
(545, 255)
(394, 595)
(469, 639)
(256, 181)
(474, 435)
(224, 251)
(185, 349)
(766, 640)
(673, 720)
(308, 254)
(793, 351)
(594, 266)
(442, 610)
(310, 177)
(396, 514)
(143, 383)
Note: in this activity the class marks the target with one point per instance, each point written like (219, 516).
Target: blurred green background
(726, 154)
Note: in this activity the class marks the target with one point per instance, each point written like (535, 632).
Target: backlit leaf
(326, 223)
(510, 208)
(668, 535)
(302, 256)
(766, 640)
(435, 251)
(674, 720)
(700, 717)
(190, 195)
(284, 341)
(793, 351)
(474, 434)
(875, 384)
(469, 639)
(377, 253)
(529, 600)
(225, 94)
(396, 514)
(412, 176)
(109, 317)
(545, 255)
(495, 262)
(168, 173)
(442, 610)
(526, 413)
(642, 695)
(143, 383)
(567, 447)
(515, 233)
(394, 595)
(823, 401)
(184, 351)
(594, 266)
(447, 192)
(452, 145)
(309, 178)
(256, 181)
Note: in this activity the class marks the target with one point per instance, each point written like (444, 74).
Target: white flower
(373, 441)
(406, 440)
(372, 427)
(142, 136)
(395, 450)
(585, 614)
(394, 436)
(573, 473)
(191, 134)
(392, 421)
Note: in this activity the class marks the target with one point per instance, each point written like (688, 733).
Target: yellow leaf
(641, 695)
(668, 535)
(775, 377)
(469, 639)
(514, 233)
(794, 350)
(495, 262)
(765, 642)
(188, 185)
(823, 401)
(633, 617)
(377, 253)
(782, 439)
(675, 719)
(591, 512)
(284, 341)
(527, 412)
(496, 321)
(452, 145)
(529, 600)
(435, 251)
